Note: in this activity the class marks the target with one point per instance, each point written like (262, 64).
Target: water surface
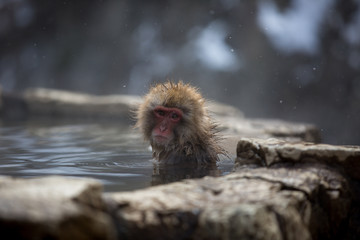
(110, 152)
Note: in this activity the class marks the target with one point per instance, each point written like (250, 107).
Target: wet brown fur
(195, 139)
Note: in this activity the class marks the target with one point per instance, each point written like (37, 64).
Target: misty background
(296, 60)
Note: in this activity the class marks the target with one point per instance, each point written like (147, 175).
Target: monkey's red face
(166, 120)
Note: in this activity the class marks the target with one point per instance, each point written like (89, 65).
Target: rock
(269, 128)
(65, 103)
(318, 159)
(301, 202)
(251, 204)
(218, 109)
(269, 152)
(50, 102)
(53, 208)
(300, 194)
(57, 103)
(233, 127)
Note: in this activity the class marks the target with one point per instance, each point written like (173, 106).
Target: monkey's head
(173, 118)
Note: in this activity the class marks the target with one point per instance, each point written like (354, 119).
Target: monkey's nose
(163, 127)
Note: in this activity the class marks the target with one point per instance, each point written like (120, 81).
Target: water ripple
(113, 153)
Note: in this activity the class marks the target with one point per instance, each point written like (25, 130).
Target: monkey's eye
(160, 113)
(175, 116)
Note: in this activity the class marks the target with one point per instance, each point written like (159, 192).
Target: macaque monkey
(176, 122)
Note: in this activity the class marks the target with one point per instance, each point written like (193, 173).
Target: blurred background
(296, 60)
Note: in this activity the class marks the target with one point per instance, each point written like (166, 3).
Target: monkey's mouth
(159, 139)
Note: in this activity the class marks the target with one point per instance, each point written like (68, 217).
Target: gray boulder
(53, 208)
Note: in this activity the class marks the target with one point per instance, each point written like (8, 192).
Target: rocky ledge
(53, 208)
(294, 191)
(282, 187)
(298, 191)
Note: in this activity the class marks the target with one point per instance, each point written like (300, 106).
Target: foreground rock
(53, 208)
(306, 191)
(303, 193)
(326, 161)
(251, 204)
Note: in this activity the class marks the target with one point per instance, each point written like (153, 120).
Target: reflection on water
(112, 153)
